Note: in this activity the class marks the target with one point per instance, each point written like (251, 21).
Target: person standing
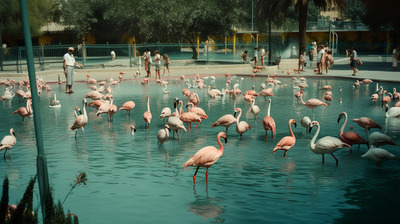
(353, 60)
(166, 63)
(244, 56)
(262, 54)
(147, 62)
(395, 58)
(311, 55)
(320, 58)
(302, 61)
(157, 62)
(68, 65)
(255, 56)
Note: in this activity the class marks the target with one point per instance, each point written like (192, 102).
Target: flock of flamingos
(176, 119)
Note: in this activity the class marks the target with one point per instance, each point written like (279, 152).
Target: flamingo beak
(13, 133)
(234, 114)
(295, 125)
(226, 140)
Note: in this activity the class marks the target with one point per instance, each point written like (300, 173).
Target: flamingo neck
(240, 114)
(221, 147)
(301, 98)
(290, 129)
(312, 144)
(180, 108)
(269, 109)
(344, 124)
(148, 104)
(84, 109)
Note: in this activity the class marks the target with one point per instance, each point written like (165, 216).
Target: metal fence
(50, 57)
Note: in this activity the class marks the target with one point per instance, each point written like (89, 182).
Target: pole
(329, 45)
(2, 52)
(269, 41)
(252, 15)
(42, 173)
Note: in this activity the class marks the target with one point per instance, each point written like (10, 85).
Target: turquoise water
(131, 178)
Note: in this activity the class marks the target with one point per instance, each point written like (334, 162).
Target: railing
(323, 25)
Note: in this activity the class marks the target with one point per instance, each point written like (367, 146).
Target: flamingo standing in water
(242, 126)
(80, 120)
(8, 142)
(254, 109)
(25, 111)
(312, 103)
(307, 123)
(349, 137)
(378, 139)
(225, 121)
(147, 115)
(269, 122)
(165, 113)
(379, 155)
(206, 157)
(287, 142)
(163, 134)
(128, 106)
(326, 145)
(367, 124)
(174, 122)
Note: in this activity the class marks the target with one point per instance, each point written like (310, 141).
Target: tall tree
(274, 7)
(382, 15)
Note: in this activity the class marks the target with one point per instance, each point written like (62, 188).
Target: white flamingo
(326, 145)
(241, 126)
(379, 155)
(254, 109)
(8, 142)
(163, 134)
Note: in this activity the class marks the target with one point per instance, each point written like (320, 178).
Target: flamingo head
(87, 75)
(315, 123)
(223, 135)
(301, 91)
(133, 129)
(12, 131)
(167, 127)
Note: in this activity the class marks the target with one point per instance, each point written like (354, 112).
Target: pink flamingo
(147, 115)
(128, 106)
(326, 145)
(225, 121)
(269, 123)
(174, 122)
(25, 111)
(349, 137)
(189, 117)
(287, 142)
(206, 157)
(96, 103)
(112, 110)
(197, 110)
(194, 98)
(8, 142)
(367, 124)
(242, 126)
(80, 120)
(266, 92)
(312, 103)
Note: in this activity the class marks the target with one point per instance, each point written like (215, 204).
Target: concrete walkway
(371, 69)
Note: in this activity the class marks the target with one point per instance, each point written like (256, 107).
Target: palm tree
(271, 8)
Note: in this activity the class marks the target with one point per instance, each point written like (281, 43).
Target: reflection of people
(157, 62)
(147, 62)
(244, 56)
(112, 55)
(353, 60)
(69, 63)
(395, 58)
(166, 63)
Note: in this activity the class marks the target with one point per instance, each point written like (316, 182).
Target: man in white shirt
(69, 63)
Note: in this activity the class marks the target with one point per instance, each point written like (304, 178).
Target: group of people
(255, 57)
(157, 61)
(324, 58)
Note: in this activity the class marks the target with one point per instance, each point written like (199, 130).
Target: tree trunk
(303, 5)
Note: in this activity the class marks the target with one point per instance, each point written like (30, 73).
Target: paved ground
(374, 68)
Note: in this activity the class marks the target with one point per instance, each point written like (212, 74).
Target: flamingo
(307, 123)
(189, 117)
(287, 142)
(20, 93)
(266, 92)
(269, 123)
(54, 103)
(379, 155)
(197, 110)
(326, 145)
(8, 142)
(174, 122)
(378, 139)
(213, 92)
(326, 87)
(112, 110)
(311, 103)
(356, 84)
(80, 120)
(133, 130)
(366, 81)
(367, 124)
(163, 134)
(349, 137)
(165, 113)
(25, 111)
(392, 112)
(194, 98)
(225, 121)
(386, 99)
(128, 106)
(94, 95)
(254, 109)
(206, 157)
(147, 115)
(103, 108)
(396, 95)
(242, 126)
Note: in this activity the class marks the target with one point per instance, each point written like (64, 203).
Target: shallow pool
(131, 178)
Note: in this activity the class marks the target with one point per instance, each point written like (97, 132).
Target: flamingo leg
(9, 155)
(76, 131)
(5, 151)
(83, 132)
(201, 125)
(226, 130)
(207, 176)
(284, 155)
(313, 114)
(177, 134)
(266, 136)
(323, 159)
(337, 161)
(195, 124)
(194, 176)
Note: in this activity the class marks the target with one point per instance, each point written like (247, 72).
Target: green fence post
(130, 55)
(42, 173)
